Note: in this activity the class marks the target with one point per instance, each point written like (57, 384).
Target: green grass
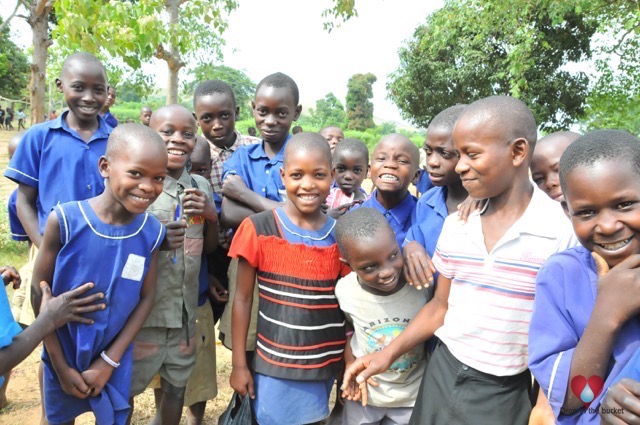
(11, 252)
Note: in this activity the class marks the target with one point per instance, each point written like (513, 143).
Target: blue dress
(116, 259)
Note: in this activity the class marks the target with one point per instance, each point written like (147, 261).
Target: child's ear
(282, 173)
(344, 260)
(416, 176)
(297, 113)
(253, 105)
(237, 117)
(59, 85)
(103, 166)
(519, 150)
(565, 208)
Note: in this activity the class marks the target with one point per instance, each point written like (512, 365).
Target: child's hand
(10, 275)
(233, 186)
(97, 376)
(361, 372)
(196, 203)
(66, 307)
(241, 381)
(622, 403)
(217, 291)
(174, 237)
(468, 206)
(418, 268)
(613, 301)
(73, 384)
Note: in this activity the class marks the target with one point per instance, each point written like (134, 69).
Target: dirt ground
(23, 393)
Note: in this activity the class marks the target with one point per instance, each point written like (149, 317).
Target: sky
(266, 36)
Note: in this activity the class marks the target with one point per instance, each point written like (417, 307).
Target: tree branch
(6, 22)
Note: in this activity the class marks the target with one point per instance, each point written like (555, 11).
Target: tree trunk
(172, 54)
(38, 20)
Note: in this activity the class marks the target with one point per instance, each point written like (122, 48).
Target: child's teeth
(388, 177)
(614, 246)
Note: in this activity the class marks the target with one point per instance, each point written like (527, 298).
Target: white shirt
(377, 320)
(491, 299)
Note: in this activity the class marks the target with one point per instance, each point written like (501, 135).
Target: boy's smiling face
(84, 87)
(177, 127)
(487, 163)
(350, 169)
(216, 114)
(603, 202)
(394, 164)
(274, 110)
(441, 157)
(377, 262)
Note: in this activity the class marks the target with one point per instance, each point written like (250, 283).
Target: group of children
(144, 232)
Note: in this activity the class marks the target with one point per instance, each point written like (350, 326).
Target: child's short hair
(81, 57)
(279, 80)
(307, 142)
(209, 87)
(124, 135)
(360, 224)
(514, 116)
(201, 148)
(599, 145)
(351, 145)
(448, 117)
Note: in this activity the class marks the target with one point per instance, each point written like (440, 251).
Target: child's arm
(28, 212)
(241, 380)
(54, 313)
(70, 379)
(99, 372)
(236, 189)
(613, 308)
(422, 327)
(232, 213)
(196, 203)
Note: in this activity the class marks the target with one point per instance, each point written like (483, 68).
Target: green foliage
(14, 67)
(470, 49)
(243, 87)
(329, 111)
(359, 108)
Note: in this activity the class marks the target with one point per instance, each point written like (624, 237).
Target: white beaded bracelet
(108, 360)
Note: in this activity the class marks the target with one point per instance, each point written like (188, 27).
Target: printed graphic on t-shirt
(382, 332)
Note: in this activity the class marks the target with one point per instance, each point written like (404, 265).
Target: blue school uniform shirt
(55, 160)
(18, 233)
(423, 185)
(260, 174)
(401, 217)
(299, 402)
(110, 119)
(566, 290)
(431, 211)
(8, 326)
(116, 259)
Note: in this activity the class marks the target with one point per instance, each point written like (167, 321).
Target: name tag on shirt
(134, 268)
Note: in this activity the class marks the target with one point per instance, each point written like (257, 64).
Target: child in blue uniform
(438, 202)
(292, 252)
(584, 322)
(111, 241)
(394, 165)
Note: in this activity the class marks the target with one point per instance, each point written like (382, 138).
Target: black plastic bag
(238, 412)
